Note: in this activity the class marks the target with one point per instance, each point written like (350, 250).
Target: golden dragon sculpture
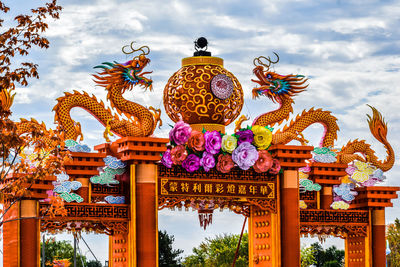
(116, 78)
(282, 88)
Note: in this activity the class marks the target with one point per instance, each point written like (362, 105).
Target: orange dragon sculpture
(282, 89)
(116, 78)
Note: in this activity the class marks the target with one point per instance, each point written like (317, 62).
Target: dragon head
(274, 85)
(128, 74)
(133, 72)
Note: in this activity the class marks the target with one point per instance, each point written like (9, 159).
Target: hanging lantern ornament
(205, 209)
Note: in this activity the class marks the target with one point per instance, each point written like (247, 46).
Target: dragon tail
(377, 125)
(378, 128)
(28, 126)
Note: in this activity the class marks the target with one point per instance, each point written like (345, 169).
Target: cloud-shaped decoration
(370, 182)
(350, 170)
(79, 148)
(303, 175)
(323, 151)
(376, 177)
(309, 185)
(114, 163)
(340, 205)
(346, 180)
(115, 200)
(69, 197)
(305, 169)
(70, 143)
(326, 158)
(363, 172)
(67, 187)
(344, 191)
(107, 177)
(378, 174)
(302, 205)
(324, 155)
(62, 177)
(302, 189)
(114, 171)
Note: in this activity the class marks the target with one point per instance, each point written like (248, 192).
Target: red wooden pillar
(21, 235)
(378, 238)
(290, 219)
(29, 233)
(146, 215)
(326, 197)
(11, 255)
(84, 190)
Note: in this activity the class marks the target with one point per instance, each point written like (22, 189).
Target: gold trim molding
(202, 61)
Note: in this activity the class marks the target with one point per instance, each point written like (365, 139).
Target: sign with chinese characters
(216, 188)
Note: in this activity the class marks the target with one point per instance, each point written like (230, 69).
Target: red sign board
(216, 188)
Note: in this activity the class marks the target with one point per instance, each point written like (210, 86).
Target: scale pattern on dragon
(116, 78)
(282, 88)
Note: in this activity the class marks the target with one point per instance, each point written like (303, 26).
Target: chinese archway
(286, 191)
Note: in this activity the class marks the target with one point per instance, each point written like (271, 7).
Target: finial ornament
(200, 44)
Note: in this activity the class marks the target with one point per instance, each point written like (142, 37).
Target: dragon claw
(157, 116)
(107, 132)
(300, 137)
(238, 123)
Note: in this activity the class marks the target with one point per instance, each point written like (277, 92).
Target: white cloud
(354, 25)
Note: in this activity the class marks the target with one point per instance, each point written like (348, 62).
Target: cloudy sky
(348, 49)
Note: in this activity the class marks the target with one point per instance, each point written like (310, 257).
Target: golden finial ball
(203, 92)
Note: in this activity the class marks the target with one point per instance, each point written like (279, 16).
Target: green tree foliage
(94, 263)
(315, 254)
(307, 255)
(220, 251)
(393, 237)
(58, 250)
(168, 257)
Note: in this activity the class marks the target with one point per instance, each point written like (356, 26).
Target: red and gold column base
(261, 238)
(355, 251)
(119, 250)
